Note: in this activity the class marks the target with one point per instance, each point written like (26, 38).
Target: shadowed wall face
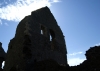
(37, 38)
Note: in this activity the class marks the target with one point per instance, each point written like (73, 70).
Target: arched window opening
(43, 30)
(3, 63)
(52, 35)
(50, 38)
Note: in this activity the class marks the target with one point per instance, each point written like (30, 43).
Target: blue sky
(78, 19)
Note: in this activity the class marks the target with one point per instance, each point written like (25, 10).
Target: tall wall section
(37, 38)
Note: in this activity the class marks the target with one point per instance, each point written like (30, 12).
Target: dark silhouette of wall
(38, 38)
(39, 45)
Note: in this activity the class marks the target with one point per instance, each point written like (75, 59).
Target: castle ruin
(39, 45)
(38, 37)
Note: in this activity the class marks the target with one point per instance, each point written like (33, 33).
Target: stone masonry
(38, 37)
(39, 45)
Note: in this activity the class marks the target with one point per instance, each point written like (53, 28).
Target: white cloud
(75, 61)
(75, 53)
(56, 1)
(22, 8)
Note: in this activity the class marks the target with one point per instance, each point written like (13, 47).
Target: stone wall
(39, 45)
(38, 38)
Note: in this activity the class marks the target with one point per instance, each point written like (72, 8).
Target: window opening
(3, 63)
(52, 35)
(43, 30)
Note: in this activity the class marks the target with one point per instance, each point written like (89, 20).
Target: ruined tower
(38, 37)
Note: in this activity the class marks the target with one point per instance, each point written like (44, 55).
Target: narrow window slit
(43, 30)
(52, 35)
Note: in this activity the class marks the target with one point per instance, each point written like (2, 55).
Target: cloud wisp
(97, 44)
(73, 54)
(75, 61)
(22, 8)
(72, 61)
